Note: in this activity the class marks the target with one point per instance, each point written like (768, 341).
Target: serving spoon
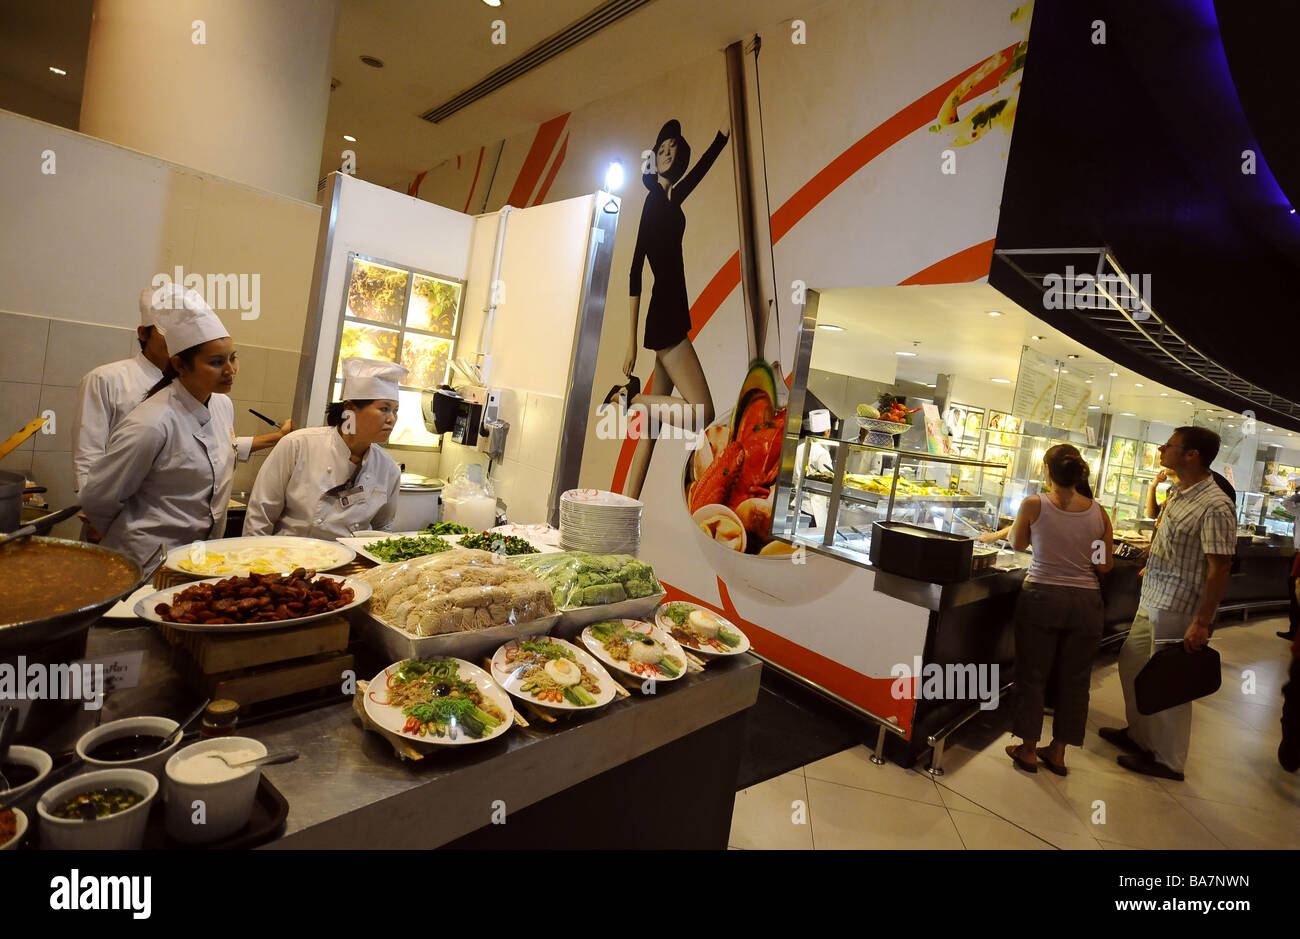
(180, 728)
(272, 758)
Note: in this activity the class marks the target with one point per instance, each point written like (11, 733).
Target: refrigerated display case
(1276, 519)
(834, 511)
(1130, 468)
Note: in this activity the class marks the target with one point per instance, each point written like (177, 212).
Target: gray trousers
(1061, 627)
(1166, 733)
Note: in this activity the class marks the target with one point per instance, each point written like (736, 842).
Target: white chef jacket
(105, 396)
(165, 475)
(289, 496)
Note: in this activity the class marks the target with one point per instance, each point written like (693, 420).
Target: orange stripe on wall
(872, 694)
(550, 177)
(543, 143)
(477, 166)
(961, 268)
(793, 210)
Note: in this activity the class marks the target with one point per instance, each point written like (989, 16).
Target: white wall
(81, 242)
(542, 270)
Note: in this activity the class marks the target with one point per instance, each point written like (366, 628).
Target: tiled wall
(524, 478)
(41, 363)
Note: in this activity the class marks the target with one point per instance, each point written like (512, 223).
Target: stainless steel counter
(348, 789)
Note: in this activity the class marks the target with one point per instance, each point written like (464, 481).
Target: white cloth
(166, 474)
(289, 495)
(105, 396)
(185, 318)
(371, 379)
(1291, 505)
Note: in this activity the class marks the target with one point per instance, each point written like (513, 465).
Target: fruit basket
(881, 433)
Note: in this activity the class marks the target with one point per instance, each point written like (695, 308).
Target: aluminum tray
(398, 644)
(573, 620)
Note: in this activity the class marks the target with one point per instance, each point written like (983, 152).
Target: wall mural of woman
(668, 316)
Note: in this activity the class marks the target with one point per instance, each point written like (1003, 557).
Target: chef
(110, 392)
(328, 482)
(166, 472)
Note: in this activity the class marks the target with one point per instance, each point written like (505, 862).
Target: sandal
(1059, 769)
(1019, 760)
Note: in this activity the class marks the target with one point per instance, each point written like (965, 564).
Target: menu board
(1047, 395)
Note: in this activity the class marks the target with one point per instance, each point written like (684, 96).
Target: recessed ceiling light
(1001, 381)
(1187, 402)
(57, 71)
(1088, 381)
(349, 138)
(1058, 406)
(1137, 384)
(372, 61)
(994, 313)
(1164, 394)
(910, 355)
(838, 329)
(1071, 356)
(1229, 425)
(1127, 414)
(1114, 374)
(1065, 371)
(1035, 337)
(928, 385)
(493, 3)
(1094, 407)
(1268, 430)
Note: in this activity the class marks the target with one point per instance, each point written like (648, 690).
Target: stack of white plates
(600, 522)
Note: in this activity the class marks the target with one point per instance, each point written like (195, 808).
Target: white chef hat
(147, 317)
(371, 379)
(184, 318)
(819, 420)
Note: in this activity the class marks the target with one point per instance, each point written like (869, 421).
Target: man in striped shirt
(1186, 573)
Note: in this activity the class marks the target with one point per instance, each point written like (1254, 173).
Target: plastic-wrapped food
(577, 578)
(455, 591)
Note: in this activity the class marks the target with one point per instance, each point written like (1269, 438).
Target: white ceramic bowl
(13, 843)
(122, 831)
(225, 806)
(127, 727)
(27, 756)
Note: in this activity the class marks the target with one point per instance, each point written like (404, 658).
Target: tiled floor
(1236, 795)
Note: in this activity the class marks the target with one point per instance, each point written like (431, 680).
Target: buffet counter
(674, 755)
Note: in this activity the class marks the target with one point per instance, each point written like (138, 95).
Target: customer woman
(668, 315)
(1058, 618)
(328, 482)
(165, 474)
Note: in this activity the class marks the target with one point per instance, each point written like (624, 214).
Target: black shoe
(1147, 766)
(632, 388)
(1120, 738)
(1289, 636)
(1289, 756)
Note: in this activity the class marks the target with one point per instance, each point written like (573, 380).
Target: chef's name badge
(354, 496)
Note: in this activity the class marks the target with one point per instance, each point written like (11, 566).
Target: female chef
(327, 482)
(166, 472)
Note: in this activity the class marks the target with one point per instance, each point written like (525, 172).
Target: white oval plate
(285, 552)
(145, 609)
(641, 672)
(358, 544)
(509, 676)
(703, 648)
(392, 719)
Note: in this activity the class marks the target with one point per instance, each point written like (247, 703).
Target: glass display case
(831, 491)
(1250, 509)
(1131, 466)
(1275, 518)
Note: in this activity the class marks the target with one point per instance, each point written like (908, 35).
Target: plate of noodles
(257, 554)
(700, 629)
(444, 701)
(636, 648)
(552, 673)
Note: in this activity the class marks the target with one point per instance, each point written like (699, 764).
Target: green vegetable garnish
(497, 543)
(679, 613)
(403, 549)
(447, 528)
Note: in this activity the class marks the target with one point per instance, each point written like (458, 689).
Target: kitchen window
(403, 315)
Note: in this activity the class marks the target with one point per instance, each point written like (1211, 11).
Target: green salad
(497, 543)
(407, 547)
(447, 528)
(580, 579)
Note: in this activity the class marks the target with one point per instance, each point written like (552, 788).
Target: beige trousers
(1166, 733)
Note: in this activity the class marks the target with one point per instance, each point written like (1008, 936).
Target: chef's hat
(147, 317)
(371, 379)
(819, 421)
(185, 318)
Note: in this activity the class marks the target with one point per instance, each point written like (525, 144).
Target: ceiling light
(1065, 371)
(57, 71)
(1114, 374)
(349, 138)
(1001, 381)
(493, 3)
(994, 313)
(1094, 407)
(1229, 425)
(928, 385)
(1127, 414)
(1137, 384)
(1268, 430)
(372, 61)
(1035, 337)
(1164, 394)
(1088, 382)
(1058, 406)
(614, 176)
(1187, 402)
(911, 355)
(838, 329)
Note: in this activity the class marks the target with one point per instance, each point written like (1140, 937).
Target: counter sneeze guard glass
(832, 491)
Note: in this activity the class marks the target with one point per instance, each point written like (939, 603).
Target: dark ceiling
(1137, 143)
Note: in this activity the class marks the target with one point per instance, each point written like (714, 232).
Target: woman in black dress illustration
(668, 317)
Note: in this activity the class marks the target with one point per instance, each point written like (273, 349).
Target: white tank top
(1065, 544)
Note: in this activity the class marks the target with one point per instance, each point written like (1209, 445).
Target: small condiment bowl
(27, 756)
(121, 831)
(13, 843)
(202, 812)
(128, 727)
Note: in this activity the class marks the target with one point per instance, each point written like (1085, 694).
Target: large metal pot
(12, 487)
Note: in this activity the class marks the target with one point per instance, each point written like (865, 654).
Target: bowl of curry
(51, 587)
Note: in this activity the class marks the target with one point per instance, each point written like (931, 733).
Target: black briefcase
(1174, 676)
